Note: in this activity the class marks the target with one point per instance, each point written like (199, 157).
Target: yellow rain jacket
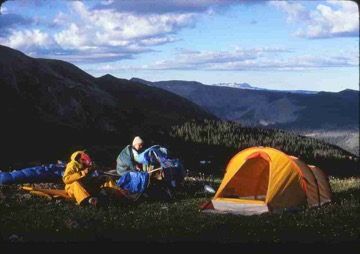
(75, 176)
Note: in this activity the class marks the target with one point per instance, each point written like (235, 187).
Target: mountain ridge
(305, 113)
(250, 87)
(52, 103)
(237, 104)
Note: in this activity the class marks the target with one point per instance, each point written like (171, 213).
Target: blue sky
(285, 45)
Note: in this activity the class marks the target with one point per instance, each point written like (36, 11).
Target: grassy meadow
(29, 218)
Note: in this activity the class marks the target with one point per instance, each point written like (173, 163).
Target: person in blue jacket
(127, 159)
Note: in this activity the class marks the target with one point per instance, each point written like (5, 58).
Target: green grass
(34, 219)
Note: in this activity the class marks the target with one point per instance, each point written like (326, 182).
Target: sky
(283, 45)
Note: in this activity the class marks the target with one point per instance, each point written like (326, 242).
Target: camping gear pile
(161, 177)
(154, 157)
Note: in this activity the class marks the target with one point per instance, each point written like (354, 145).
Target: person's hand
(86, 171)
(89, 170)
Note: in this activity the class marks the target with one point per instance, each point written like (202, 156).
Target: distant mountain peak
(108, 76)
(348, 90)
(236, 85)
(249, 87)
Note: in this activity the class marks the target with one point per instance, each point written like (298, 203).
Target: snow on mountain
(237, 85)
(249, 87)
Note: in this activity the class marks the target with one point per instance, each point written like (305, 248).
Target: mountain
(247, 86)
(49, 107)
(323, 110)
(305, 113)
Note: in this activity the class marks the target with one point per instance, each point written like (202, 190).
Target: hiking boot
(93, 201)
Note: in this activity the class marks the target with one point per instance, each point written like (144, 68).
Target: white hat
(137, 140)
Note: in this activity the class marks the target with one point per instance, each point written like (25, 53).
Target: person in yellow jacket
(82, 184)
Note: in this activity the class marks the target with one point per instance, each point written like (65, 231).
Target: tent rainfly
(265, 180)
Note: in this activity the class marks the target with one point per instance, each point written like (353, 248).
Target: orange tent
(265, 180)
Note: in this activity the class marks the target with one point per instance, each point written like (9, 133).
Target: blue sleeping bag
(45, 174)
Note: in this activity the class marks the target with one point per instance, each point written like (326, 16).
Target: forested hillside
(230, 137)
(322, 113)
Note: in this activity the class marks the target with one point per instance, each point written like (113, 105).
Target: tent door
(251, 180)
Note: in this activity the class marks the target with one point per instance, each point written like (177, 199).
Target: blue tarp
(135, 182)
(147, 156)
(174, 172)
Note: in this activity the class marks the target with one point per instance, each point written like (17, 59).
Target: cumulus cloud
(103, 28)
(335, 19)
(79, 28)
(27, 39)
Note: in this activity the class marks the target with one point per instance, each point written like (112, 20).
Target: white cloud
(336, 19)
(256, 59)
(89, 35)
(296, 11)
(126, 26)
(3, 10)
(61, 19)
(72, 38)
(106, 28)
(157, 41)
(27, 39)
(337, 22)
